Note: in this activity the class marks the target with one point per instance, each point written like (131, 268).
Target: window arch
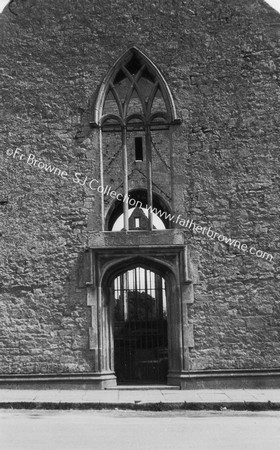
(114, 218)
(134, 88)
(134, 104)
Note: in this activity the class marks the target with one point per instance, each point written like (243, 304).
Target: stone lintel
(135, 238)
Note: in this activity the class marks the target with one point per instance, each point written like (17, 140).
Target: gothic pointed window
(134, 102)
(135, 87)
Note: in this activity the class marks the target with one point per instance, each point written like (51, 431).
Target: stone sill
(136, 238)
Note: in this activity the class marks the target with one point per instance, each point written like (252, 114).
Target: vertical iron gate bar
(140, 330)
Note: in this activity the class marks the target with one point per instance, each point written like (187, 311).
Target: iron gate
(140, 327)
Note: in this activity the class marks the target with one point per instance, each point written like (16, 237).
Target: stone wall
(221, 62)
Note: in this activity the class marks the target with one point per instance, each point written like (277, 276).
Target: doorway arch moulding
(172, 262)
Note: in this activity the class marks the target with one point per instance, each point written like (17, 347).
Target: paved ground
(138, 430)
(264, 399)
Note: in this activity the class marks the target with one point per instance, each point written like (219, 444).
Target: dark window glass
(138, 149)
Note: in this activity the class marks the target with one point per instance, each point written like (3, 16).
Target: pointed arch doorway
(153, 307)
(140, 327)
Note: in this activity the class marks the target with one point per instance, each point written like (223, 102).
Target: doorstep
(142, 387)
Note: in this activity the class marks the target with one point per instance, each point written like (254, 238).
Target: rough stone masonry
(221, 62)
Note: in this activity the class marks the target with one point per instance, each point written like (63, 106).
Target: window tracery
(134, 101)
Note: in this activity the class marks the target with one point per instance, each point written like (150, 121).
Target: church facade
(140, 194)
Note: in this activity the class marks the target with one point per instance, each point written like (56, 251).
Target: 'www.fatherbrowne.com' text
(95, 185)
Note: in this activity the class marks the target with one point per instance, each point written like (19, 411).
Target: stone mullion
(101, 180)
(125, 179)
(149, 175)
(170, 137)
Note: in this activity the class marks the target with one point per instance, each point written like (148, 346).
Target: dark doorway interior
(140, 327)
